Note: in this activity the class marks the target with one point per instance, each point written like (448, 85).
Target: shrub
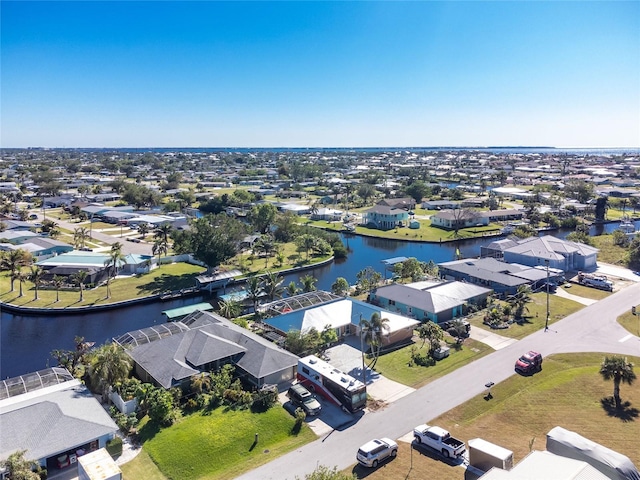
(114, 447)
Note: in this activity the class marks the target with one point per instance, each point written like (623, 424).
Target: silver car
(372, 453)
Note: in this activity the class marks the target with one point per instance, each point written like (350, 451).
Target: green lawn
(587, 292)
(426, 233)
(535, 318)
(141, 467)
(567, 393)
(631, 322)
(168, 277)
(219, 444)
(395, 365)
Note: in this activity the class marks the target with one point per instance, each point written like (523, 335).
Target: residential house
(168, 355)
(504, 215)
(384, 217)
(328, 214)
(440, 204)
(40, 246)
(341, 314)
(53, 417)
(456, 219)
(557, 253)
(435, 301)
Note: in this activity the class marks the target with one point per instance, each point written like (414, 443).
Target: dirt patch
(374, 405)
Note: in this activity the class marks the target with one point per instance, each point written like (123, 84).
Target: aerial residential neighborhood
(367, 288)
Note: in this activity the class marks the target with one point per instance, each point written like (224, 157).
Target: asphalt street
(592, 329)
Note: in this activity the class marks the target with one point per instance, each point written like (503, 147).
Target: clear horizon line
(636, 147)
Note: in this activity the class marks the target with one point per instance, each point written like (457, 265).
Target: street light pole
(546, 323)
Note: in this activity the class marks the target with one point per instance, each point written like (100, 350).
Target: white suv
(372, 453)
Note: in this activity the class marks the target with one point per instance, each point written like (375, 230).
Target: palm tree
(620, 371)
(230, 308)
(163, 232)
(272, 285)
(58, 282)
(520, 299)
(115, 258)
(80, 236)
(308, 283)
(254, 292)
(109, 365)
(201, 382)
(292, 289)
(14, 261)
(36, 277)
(21, 277)
(374, 331)
(18, 467)
(143, 228)
(159, 248)
(79, 277)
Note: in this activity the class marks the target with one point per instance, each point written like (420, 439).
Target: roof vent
(313, 360)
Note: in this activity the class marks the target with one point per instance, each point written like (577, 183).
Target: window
(305, 370)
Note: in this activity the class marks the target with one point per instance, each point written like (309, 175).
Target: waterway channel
(26, 341)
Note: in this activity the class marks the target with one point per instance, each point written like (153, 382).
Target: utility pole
(546, 323)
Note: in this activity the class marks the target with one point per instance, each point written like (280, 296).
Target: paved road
(127, 247)
(593, 329)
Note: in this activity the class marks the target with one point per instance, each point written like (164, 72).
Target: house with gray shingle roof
(562, 254)
(53, 421)
(204, 341)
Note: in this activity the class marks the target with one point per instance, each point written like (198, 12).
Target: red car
(529, 363)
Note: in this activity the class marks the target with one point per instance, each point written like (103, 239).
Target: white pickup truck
(440, 440)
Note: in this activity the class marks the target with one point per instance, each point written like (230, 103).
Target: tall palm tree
(619, 370)
(163, 232)
(58, 282)
(308, 283)
(109, 365)
(115, 258)
(21, 277)
(14, 261)
(80, 237)
(254, 292)
(36, 277)
(160, 247)
(272, 285)
(143, 228)
(374, 331)
(79, 277)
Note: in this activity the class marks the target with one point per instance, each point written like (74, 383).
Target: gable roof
(386, 210)
(552, 248)
(52, 420)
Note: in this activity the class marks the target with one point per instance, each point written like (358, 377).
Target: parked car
(372, 453)
(439, 439)
(529, 363)
(303, 398)
(33, 216)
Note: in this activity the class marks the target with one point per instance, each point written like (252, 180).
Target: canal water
(27, 341)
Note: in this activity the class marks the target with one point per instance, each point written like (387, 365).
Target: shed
(176, 313)
(485, 455)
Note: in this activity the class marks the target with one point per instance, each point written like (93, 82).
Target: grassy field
(631, 322)
(168, 277)
(610, 253)
(569, 392)
(426, 233)
(219, 444)
(141, 467)
(535, 318)
(395, 365)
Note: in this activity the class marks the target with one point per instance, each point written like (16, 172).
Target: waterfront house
(328, 214)
(53, 417)
(503, 278)
(384, 217)
(440, 204)
(452, 219)
(168, 355)
(338, 313)
(435, 301)
(560, 254)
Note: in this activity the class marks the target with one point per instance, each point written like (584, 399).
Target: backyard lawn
(568, 392)
(535, 317)
(396, 365)
(218, 444)
(168, 277)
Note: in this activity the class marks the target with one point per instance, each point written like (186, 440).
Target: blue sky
(320, 74)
